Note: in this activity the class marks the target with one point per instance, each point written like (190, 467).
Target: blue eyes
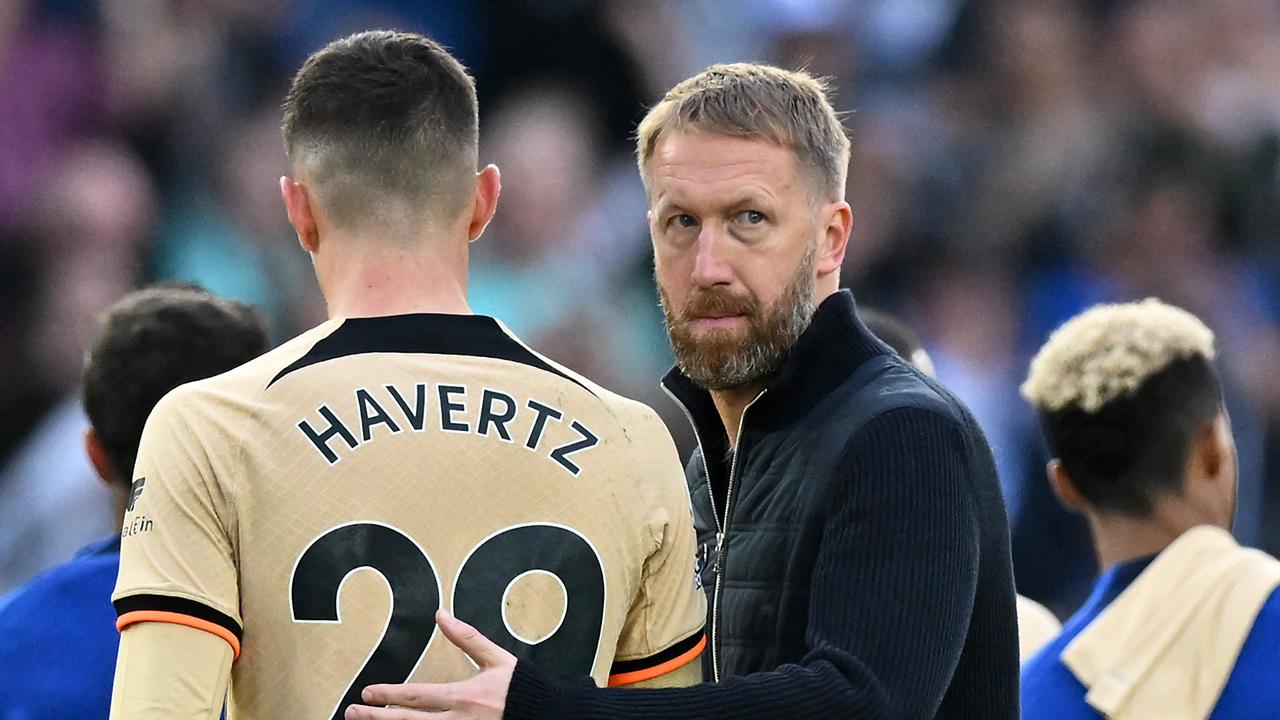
(750, 217)
(685, 221)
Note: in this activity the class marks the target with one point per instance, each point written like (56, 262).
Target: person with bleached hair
(1183, 623)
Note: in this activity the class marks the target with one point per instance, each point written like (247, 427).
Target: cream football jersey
(317, 505)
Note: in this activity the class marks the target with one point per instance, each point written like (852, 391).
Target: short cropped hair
(152, 341)
(384, 125)
(1121, 391)
(787, 108)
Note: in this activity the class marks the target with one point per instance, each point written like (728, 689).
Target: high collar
(834, 345)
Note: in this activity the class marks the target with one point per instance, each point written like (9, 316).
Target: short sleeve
(177, 562)
(664, 628)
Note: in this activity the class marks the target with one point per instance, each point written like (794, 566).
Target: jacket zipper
(724, 529)
(721, 524)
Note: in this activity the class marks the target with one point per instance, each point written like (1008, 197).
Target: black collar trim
(422, 333)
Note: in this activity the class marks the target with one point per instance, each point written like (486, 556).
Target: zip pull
(719, 541)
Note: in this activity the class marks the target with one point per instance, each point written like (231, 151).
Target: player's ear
(1211, 447)
(98, 457)
(488, 188)
(297, 203)
(1063, 487)
(834, 239)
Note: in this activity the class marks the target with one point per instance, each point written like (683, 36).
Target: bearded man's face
(724, 341)
(735, 230)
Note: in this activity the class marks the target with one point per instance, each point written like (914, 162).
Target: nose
(711, 266)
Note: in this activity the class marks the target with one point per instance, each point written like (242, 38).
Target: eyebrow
(751, 196)
(746, 198)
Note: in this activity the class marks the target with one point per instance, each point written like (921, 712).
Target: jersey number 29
(484, 578)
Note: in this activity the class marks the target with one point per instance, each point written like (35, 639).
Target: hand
(482, 697)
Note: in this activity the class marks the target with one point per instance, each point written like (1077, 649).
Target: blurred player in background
(1183, 623)
(404, 436)
(1036, 625)
(57, 635)
(898, 335)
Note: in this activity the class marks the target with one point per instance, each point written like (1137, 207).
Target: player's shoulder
(899, 385)
(625, 410)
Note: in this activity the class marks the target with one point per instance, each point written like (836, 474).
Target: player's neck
(394, 281)
(1120, 538)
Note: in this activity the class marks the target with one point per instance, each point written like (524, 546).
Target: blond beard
(724, 360)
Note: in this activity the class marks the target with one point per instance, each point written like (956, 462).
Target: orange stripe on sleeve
(635, 676)
(138, 616)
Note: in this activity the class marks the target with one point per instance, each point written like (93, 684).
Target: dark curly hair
(152, 341)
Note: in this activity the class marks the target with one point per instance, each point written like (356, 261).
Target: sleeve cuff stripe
(167, 607)
(673, 658)
(180, 605)
(138, 616)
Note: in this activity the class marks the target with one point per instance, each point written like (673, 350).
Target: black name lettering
(448, 407)
(321, 439)
(540, 422)
(417, 415)
(489, 417)
(498, 416)
(562, 453)
(371, 414)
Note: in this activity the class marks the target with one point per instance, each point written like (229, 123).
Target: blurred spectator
(551, 266)
(93, 216)
(968, 310)
(50, 93)
(228, 233)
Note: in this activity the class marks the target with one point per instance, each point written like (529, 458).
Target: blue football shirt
(1050, 691)
(58, 640)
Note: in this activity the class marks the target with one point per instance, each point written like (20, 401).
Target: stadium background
(1013, 162)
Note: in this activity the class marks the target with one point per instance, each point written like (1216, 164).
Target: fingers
(469, 640)
(421, 696)
(364, 712)
(481, 698)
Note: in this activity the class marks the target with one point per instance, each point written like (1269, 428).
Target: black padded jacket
(855, 546)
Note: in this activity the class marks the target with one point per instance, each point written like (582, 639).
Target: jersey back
(317, 505)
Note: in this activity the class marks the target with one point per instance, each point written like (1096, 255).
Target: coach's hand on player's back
(483, 697)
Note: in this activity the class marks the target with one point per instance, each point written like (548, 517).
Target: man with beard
(855, 546)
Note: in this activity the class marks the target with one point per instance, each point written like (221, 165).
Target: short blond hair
(1110, 351)
(788, 108)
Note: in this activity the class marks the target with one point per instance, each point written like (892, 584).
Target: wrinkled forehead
(700, 167)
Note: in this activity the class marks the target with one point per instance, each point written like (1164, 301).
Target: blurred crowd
(1013, 162)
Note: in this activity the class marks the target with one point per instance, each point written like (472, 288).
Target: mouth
(717, 322)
